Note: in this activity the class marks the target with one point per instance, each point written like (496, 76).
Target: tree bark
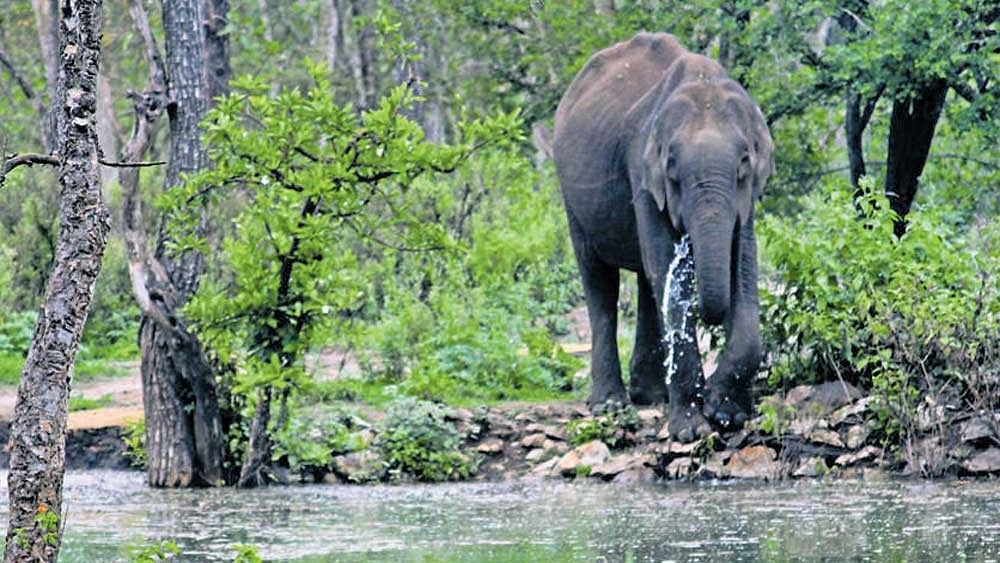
(184, 445)
(911, 130)
(38, 431)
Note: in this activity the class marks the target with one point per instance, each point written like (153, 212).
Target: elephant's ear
(763, 148)
(654, 178)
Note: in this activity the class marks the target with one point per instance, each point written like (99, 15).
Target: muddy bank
(86, 448)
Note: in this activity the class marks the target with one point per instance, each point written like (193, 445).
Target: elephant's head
(707, 156)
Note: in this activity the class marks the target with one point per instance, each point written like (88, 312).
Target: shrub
(416, 439)
(611, 427)
(134, 436)
(849, 300)
(312, 437)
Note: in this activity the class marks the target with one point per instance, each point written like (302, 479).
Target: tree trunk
(38, 431)
(47, 24)
(911, 130)
(184, 445)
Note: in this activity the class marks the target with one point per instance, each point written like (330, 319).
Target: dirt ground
(126, 392)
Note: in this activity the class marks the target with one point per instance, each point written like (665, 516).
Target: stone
(842, 414)
(828, 437)
(535, 455)
(976, 429)
(525, 417)
(635, 476)
(460, 415)
(865, 454)
(591, 454)
(545, 467)
(359, 467)
(549, 430)
(533, 440)
(811, 467)
(822, 398)
(857, 435)
(679, 468)
(331, 478)
(804, 426)
(754, 462)
(664, 433)
(986, 461)
(490, 446)
(553, 445)
(615, 465)
(649, 417)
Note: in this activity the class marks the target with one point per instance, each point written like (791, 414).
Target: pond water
(539, 521)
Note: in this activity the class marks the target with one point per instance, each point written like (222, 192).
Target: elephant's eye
(672, 171)
(744, 170)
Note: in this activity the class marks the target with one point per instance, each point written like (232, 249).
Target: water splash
(678, 305)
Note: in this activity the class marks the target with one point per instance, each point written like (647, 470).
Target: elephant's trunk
(712, 241)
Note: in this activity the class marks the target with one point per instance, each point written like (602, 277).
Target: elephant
(660, 158)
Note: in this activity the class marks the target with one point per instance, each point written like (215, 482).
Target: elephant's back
(609, 84)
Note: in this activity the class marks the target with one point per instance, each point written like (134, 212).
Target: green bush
(134, 436)
(611, 427)
(416, 439)
(313, 436)
(477, 321)
(848, 300)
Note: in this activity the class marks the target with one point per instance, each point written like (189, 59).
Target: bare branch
(29, 159)
(6, 62)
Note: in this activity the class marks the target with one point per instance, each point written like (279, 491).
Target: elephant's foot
(603, 393)
(726, 406)
(647, 391)
(687, 424)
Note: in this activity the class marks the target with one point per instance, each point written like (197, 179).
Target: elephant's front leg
(728, 402)
(685, 379)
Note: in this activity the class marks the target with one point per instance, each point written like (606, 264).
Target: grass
(81, 403)
(85, 370)
(378, 393)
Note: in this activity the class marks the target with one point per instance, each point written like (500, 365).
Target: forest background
(440, 258)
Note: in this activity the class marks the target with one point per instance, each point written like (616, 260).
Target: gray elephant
(655, 146)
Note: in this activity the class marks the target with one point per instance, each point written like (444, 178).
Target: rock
(866, 453)
(591, 454)
(736, 440)
(649, 417)
(804, 426)
(635, 476)
(664, 433)
(533, 440)
(857, 434)
(822, 398)
(616, 465)
(714, 467)
(331, 479)
(567, 464)
(552, 445)
(459, 415)
(525, 417)
(535, 455)
(545, 467)
(976, 429)
(828, 437)
(986, 461)
(679, 468)
(754, 462)
(842, 414)
(359, 467)
(811, 467)
(502, 429)
(549, 430)
(490, 446)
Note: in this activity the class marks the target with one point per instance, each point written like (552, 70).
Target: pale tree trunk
(185, 443)
(38, 431)
(47, 25)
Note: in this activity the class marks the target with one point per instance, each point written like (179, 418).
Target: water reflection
(541, 521)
